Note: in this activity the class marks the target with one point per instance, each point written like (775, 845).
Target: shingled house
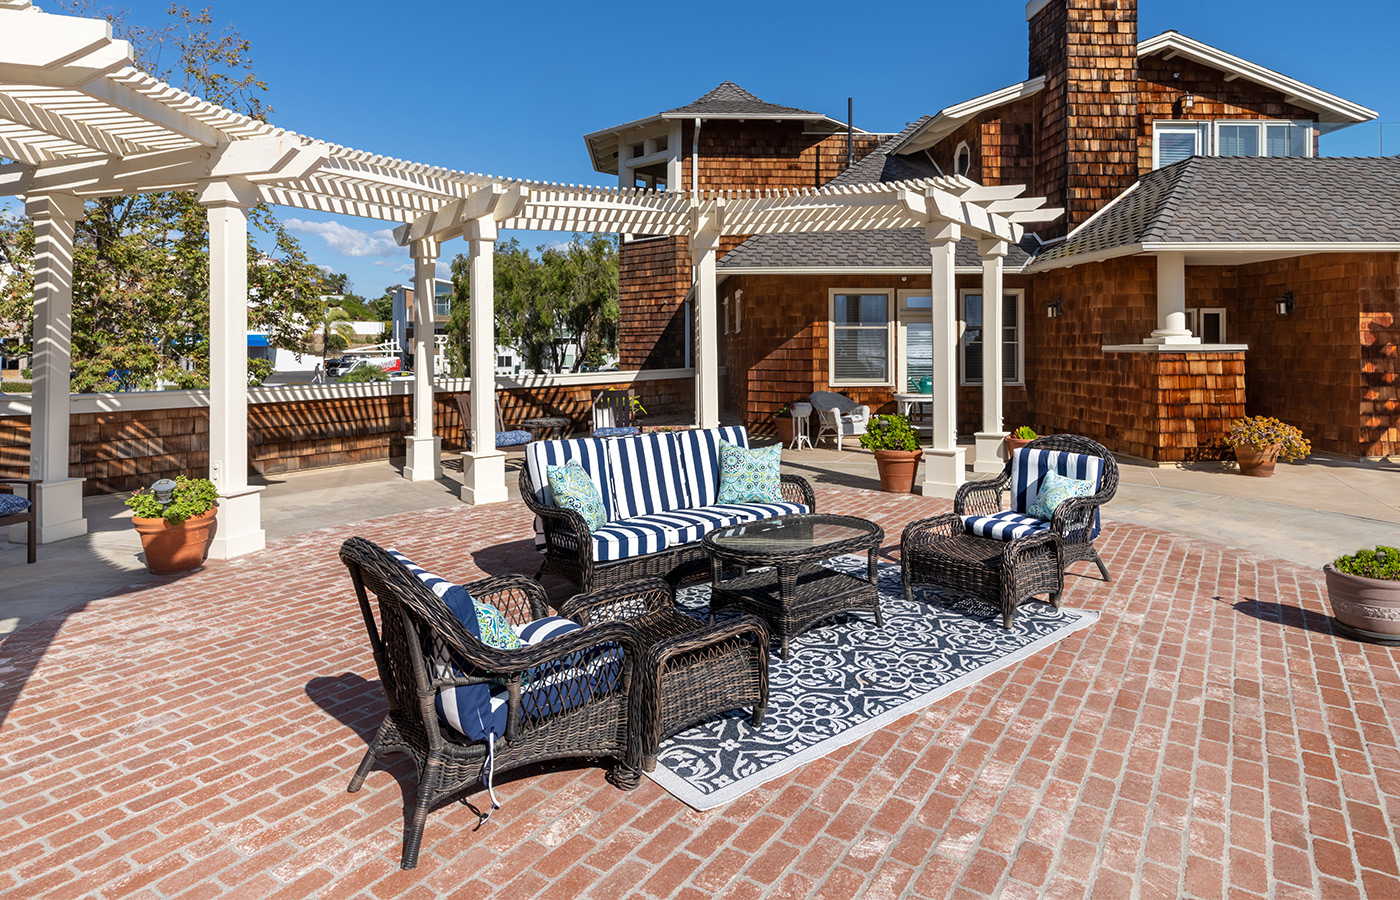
(1208, 263)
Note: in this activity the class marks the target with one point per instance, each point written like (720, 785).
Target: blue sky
(511, 88)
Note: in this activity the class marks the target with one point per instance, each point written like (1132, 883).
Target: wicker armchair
(839, 415)
(411, 617)
(568, 549)
(16, 510)
(1076, 520)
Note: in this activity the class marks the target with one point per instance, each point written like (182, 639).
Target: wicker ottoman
(937, 552)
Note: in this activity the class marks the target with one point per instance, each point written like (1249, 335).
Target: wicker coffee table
(795, 593)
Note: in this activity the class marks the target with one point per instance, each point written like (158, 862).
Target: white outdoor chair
(839, 415)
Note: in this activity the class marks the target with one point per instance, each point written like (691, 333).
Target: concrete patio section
(1209, 737)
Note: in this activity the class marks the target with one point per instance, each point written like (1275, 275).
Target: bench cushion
(686, 526)
(1004, 526)
(645, 471)
(699, 450)
(11, 505)
(623, 540)
(1029, 466)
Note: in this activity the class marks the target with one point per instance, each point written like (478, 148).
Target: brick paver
(1208, 738)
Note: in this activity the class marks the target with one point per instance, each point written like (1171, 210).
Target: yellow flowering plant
(1266, 431)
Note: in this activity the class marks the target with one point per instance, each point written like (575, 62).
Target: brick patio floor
(1209, 737)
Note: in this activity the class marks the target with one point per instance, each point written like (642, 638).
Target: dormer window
(962, 159)
(1175, 140)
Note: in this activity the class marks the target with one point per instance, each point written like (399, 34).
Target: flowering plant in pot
(1364, 590)
(1019, 438)
(176, 521)
(1260, 441)
(896, 448)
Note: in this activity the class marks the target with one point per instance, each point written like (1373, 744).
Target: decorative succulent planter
(1014, 443)
(1365, 608)
(897, 469)
(1257, 461)
(171, 549)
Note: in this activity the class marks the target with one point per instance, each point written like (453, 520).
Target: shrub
(361, 374)
(1266, 431)
(1382, 563)
(889, 433)
(192, 497)
(15, 387)
(258, 370)
(26, 373)
(1025, 433)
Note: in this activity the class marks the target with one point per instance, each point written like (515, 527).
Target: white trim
(1035, 6)
(1174, 348)
(951, 118)
(1329, 107)
(1201, 128)
(831, 326)
(849, 270)
(1020, 295)
(1195, 314)
(1300, 247)
(957, 158)
(1261, 125)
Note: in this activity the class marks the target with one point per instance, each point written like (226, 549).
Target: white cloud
(347, 241)
(406, 269)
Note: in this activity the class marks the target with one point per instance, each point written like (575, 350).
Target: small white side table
(801, 414)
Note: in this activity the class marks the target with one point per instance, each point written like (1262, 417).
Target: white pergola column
(1171, 301)
(992, 436)
(60, 496)
(703, 246)
(240, 528)
(424, 462)
(483, 466)
(945, 463)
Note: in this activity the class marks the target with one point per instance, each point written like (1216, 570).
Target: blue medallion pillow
(573, 488)
(1056, 489)
(750, 476)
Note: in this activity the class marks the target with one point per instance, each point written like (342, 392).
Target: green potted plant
(1364, 590)
(896, 447)
(783, 420)
(1260, 441)
(1019, 438)
(176, 520)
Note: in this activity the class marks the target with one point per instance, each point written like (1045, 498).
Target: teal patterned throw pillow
(574, 489)
(495, 630)
(749, 476)
(1056, 489)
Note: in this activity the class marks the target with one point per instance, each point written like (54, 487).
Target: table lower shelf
(817, 594)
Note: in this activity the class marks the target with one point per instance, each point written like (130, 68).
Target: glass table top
(790, 533)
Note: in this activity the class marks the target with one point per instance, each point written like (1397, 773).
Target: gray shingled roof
(899, 248)
(903, 248)
(731, 100)
(1233, 200)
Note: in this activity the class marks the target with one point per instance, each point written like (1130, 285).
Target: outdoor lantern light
(1188, 101)
(1054, 308)
(164, 491)
(1284, 305)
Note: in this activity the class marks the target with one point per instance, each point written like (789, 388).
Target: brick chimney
(1087, 139)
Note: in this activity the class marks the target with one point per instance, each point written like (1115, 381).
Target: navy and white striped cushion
(1028, 467)
(12, 505)
(1004, 526)
(546, 628)
(624, 540)
(590, 453)
(700, 458)
(645, 471)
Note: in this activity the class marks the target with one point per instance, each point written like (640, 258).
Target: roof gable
(728, 99)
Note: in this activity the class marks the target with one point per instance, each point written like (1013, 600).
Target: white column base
(60, 513)
(240, 524)
(991, 453)
(1166, 336)
(944, 471)
(484, 477)
(424, 461)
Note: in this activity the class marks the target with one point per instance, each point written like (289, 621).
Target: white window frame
(1194, 315)
(905, 316)
(1263, 133)
(831, 327)
(1203, 130)
(1020, 379)
(957, 155)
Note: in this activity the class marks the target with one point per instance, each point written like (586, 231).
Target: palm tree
(334, 324)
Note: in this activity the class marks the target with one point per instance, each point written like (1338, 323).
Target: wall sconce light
(1284, 305)
(1055, 308)
(1188, 101)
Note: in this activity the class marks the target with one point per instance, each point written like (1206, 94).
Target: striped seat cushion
(645, 471)
(699, 449)
(686, 526)
(590, 453)
(1004, 526)
(624, 540)
(1029, 466)
(11, 505)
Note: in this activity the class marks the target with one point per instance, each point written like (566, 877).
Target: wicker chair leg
(363, 771)
(908, 587)
(428, 780)
(1103, 570)
(1055, 600)
(625, 777)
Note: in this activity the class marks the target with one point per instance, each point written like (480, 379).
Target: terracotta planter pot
(1257, 461)
(1366, 608)
(784, 424)
(1013, 444)
(176, 548)
(897, 469)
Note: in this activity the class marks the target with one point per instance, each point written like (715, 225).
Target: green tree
(334, 330)
(141, 263)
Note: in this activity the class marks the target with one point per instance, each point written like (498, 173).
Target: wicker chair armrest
(490, 590)
(1074, 517)
(981, 498)
(507, 665)
(796, 489)
(1024, 550)
(618, 604)
(947, 524)
(709, 635)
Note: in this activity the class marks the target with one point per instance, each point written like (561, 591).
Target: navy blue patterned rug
(847, 678)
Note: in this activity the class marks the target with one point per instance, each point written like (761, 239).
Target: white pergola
(81, 122)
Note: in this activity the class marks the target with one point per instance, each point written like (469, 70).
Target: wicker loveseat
(660, 493)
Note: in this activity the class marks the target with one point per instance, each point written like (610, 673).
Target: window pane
(859, 354)
(1174, 146)
(972, 311)
(918, 341)
(1239, 140)
(972, 338)
(859, 309)
(918, 302)
(1299, 140)
(1211, 323)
